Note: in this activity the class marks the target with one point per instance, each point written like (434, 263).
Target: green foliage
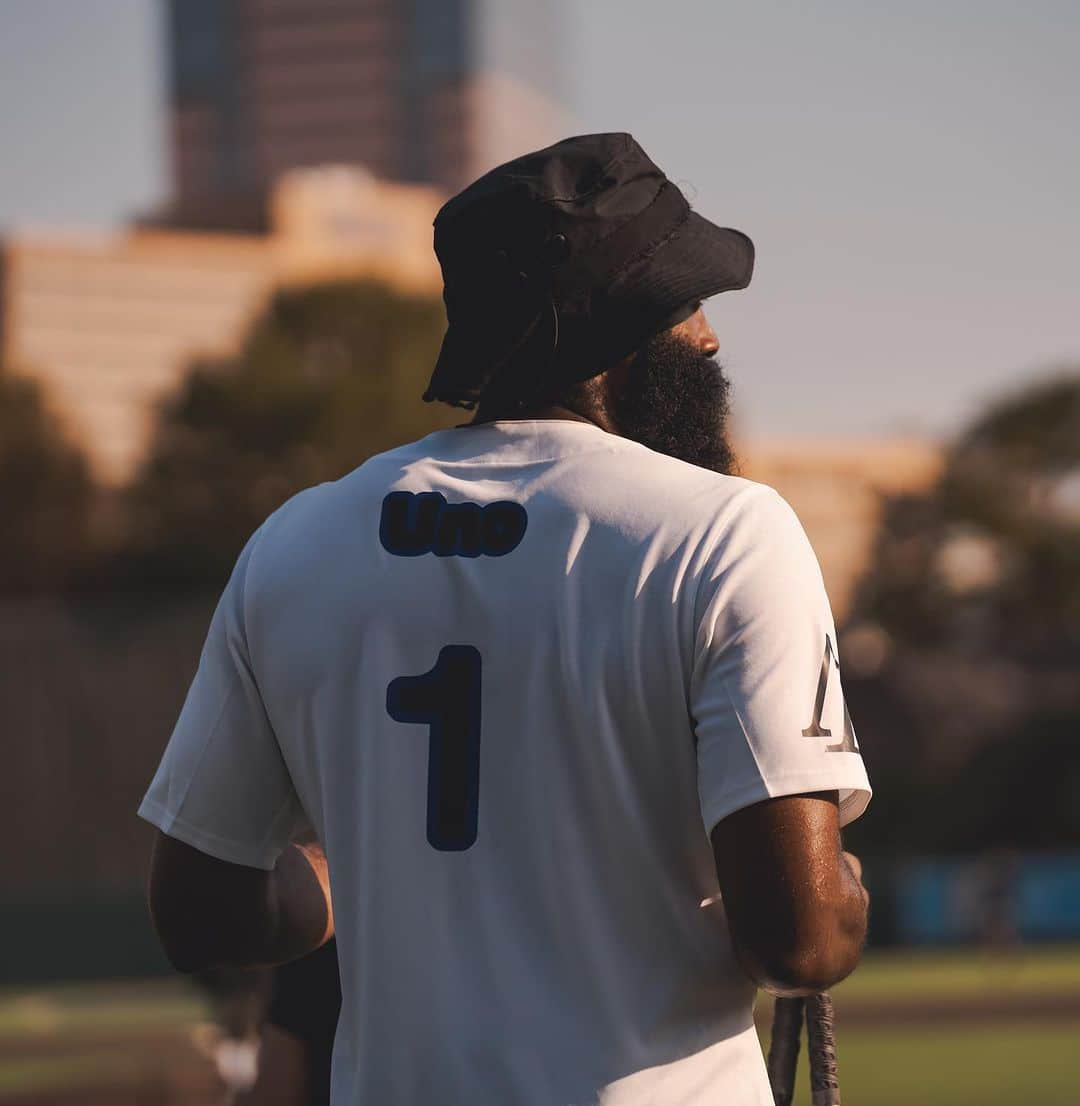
(989, 561)
(45, 491)
(969, 716)
(329, 376)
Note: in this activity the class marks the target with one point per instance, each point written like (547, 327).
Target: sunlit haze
(908, 172)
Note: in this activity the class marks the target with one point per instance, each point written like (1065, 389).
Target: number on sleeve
(816, 729)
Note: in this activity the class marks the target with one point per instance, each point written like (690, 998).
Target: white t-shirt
(511, 675)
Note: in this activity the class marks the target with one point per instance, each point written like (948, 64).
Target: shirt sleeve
(765, 694)
(222, 785)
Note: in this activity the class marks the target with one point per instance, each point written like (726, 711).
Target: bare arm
(795, 905)
(207, 911)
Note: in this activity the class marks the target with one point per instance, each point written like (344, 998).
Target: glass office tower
(435, 91)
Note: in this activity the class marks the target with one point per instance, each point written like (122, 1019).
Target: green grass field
(953, 974)
(55, 1040)
(62, 1039)
(1008, 1064)
(962, 1061)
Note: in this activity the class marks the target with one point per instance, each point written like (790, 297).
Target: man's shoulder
(327, 498)
(316, 514)
(667, 488)
(663, 470)
(615, 477)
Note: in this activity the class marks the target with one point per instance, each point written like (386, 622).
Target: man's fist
(855, 867)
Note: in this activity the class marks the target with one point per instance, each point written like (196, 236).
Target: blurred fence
(1001, 897)
(89, 691)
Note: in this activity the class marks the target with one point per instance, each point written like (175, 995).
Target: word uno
(415, 524)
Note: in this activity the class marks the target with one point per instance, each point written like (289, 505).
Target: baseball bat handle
(821, 1045)
(784, 1048)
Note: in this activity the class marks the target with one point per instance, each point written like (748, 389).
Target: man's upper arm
(197, 900)
(222, 785)
(765, 693)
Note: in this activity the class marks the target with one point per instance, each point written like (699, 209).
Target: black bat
(784, 1048)
(788, 1015)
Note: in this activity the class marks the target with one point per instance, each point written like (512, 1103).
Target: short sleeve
(222, 785)
(765, 693)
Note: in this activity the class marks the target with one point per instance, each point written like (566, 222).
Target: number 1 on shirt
(447, 700)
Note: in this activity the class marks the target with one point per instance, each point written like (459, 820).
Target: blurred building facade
(432, 91)
(835, 486)
(109, 324)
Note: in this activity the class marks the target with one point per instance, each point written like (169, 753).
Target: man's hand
(795, 903)
(855, 867)
(283, 1071)
(207, 911)
(305, 909)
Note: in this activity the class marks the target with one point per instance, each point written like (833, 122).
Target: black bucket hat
(559, 263)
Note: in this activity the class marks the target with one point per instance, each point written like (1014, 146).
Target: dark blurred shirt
(305, 1002)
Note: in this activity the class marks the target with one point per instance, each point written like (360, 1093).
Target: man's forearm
(301, 913)
(209, 912)
(796, 908)
(825, 947)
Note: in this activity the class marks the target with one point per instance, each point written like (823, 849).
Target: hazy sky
(909, 172)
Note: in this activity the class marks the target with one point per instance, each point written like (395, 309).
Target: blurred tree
(45, 489)
(962, 651)
(328, 376)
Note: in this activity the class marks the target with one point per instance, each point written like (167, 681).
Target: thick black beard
(676, 401)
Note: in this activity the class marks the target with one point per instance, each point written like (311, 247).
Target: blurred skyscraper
(431, 91)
